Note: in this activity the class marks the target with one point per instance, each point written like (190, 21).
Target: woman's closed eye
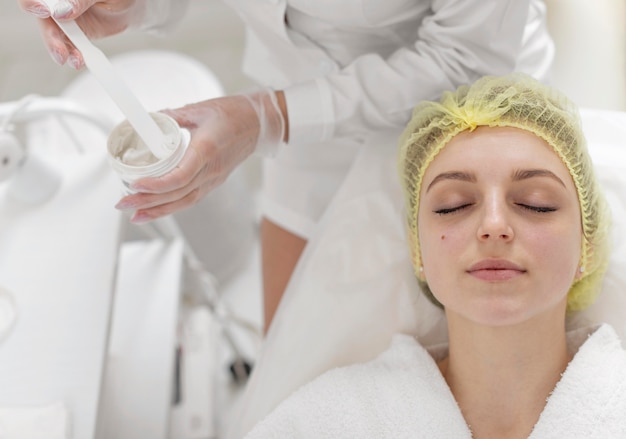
(449, 210)
(537, 209)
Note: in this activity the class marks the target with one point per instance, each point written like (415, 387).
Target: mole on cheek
(443, 237)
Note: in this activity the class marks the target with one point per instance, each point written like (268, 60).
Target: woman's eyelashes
(538, 209)
(448, 210)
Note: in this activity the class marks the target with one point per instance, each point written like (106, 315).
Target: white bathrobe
(402, 394)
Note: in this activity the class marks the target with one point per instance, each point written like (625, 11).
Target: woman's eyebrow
(524, 174)
(453, 175)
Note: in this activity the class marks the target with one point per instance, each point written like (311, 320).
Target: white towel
(401, 394)
(398, 395)
(43, 422)
(590, 399)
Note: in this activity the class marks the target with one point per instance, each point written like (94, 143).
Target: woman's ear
(420, 273)
(580, 271)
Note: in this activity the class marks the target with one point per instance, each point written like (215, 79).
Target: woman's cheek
(441, 244)
(555, 245)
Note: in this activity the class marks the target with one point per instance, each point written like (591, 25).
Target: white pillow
(606, 137)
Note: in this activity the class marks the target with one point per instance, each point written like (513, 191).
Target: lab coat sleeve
(459, 42)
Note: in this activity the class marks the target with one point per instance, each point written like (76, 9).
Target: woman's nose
(495, 222)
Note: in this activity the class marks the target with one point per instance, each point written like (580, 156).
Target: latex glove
(97, 18)
(224, 132)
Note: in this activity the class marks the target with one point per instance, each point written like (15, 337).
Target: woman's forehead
(497, 148)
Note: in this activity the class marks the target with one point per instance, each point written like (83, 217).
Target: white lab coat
(350, 67)
(353, 66)
(402, 394)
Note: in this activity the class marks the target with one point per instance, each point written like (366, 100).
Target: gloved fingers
(58, 45)
(34, 7)
(97, 18)
(56, 42)
(63, 9)
(149, 214)
(152, 206)
(145, 201)
(189, 170)
(153, 195)
(72, 9)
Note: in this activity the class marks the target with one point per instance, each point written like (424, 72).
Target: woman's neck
(501, 377)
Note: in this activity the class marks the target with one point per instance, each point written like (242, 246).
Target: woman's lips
(494, 270)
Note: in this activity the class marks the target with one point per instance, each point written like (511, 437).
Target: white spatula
(102, 69)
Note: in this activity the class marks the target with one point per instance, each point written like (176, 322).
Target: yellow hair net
(519, 101)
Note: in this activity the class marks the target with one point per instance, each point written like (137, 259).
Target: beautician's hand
(97, 19)
(224, 132)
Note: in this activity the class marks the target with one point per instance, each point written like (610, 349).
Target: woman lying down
(508, 233)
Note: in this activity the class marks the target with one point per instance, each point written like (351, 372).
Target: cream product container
(131, 158)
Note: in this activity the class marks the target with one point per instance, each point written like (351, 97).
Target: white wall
(590, 37)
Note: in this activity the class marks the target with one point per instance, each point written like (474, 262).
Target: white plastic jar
(131, 158)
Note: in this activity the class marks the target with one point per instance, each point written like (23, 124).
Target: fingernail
(75, 62)
(39, 11)
(62, 10)
(140, 218)
(124, 205)
(56, 56)
(136, 187)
